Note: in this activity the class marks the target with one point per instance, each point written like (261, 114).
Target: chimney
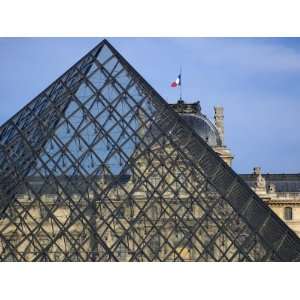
(257, 170)
(219, 121)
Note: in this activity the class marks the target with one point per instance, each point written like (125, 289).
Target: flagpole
(180, 83)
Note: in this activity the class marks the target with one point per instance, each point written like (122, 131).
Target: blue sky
(255, 79)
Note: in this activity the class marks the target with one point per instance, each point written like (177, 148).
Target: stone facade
(281, 192)
(31, 213)
(172, 194)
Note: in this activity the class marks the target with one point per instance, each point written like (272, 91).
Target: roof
(204, 128)
(283, 182)
(191, 113)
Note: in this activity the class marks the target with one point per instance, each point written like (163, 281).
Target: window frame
(288, 213)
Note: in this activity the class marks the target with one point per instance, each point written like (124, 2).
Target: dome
(191, 113)
(203, 127)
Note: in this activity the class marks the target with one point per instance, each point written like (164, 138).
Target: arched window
(120, 212)
(43, 212)
(288, 213)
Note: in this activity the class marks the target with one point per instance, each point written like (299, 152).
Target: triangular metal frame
(98, 167)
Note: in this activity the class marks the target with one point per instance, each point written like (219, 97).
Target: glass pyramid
(98, 167)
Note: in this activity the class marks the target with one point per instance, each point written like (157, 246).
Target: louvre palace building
(99, 167)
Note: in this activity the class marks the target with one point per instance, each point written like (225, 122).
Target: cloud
(254, 55)
(256, 80)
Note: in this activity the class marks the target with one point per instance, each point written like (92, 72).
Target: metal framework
(98, 167)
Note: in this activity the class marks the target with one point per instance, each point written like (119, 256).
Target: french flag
(177, 82)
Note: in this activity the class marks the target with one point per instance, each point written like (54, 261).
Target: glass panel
(99, 168)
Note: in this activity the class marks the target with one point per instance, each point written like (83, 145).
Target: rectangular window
(288, 213)
(121, 252)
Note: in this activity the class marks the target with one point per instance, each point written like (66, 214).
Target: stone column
(219, 121)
